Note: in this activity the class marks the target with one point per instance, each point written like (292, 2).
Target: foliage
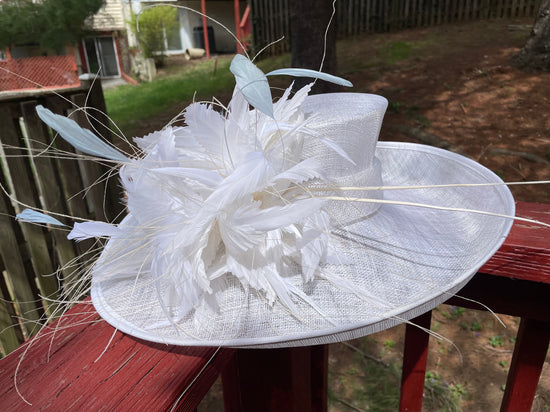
(389, 344)
(18, 22)
(52, 24)
(454, 312)
(496, 341)
(151, 26)
(440, 395)
(476, 327)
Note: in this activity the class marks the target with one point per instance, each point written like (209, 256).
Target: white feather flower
(226, 195)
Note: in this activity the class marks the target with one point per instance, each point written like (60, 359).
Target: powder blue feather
(253, 84)
(33, 216)
(311, 73)
(81, 139)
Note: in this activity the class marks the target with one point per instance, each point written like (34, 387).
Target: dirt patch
(457, 90)
(459, 87)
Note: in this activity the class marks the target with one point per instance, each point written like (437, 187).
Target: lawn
(130, 106)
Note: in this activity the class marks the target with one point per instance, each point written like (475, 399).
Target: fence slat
(30, 254)
(20, 275)
(70, 178)
(49, 186)
(92, 173)
(26, 193)
(353, 17)
(10, 332)
(522, 7)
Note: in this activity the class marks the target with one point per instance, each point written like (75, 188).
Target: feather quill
(81, 139)
(311, 73)
(32, 216)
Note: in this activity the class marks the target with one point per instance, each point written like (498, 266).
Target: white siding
(109, 17)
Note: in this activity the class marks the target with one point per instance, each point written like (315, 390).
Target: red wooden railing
(67, 371)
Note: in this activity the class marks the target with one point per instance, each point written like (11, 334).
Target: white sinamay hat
(287, 226)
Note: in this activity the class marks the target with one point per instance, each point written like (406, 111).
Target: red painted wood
(230, 384)
(515, 281)
(319, 378)
(130, 374)
(272, 380)
(205, 29)
(415, 356)
(505, 295)
(526, 252)
(529, 355)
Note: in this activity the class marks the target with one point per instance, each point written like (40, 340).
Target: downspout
(205, 29)
(238, 25)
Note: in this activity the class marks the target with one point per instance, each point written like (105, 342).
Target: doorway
(101, 56)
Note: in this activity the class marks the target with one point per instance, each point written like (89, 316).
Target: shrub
(151, 27)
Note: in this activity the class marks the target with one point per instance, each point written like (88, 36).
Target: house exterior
(105, 52)
(190, 33)
(111, 48)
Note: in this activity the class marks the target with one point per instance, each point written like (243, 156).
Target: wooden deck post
(270, 380)
(415, 356)
(529, 355)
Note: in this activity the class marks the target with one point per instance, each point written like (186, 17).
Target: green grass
(396, 51)
(389, 344)
(442, 396)
(127, 104)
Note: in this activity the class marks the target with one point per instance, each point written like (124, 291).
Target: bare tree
(308, 23)
(535, 55)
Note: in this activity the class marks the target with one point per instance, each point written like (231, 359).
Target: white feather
(88, 230)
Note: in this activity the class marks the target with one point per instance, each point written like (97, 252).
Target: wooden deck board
(130, 374)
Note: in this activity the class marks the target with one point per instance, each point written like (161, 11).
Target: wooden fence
(31, 256)
(46, 71)
(270, 18)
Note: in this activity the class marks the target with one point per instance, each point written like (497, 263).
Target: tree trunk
(308, 22)
(535, 55)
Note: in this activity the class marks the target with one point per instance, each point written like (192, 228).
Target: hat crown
(353, 122)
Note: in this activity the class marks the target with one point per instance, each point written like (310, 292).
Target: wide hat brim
(401, 261)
